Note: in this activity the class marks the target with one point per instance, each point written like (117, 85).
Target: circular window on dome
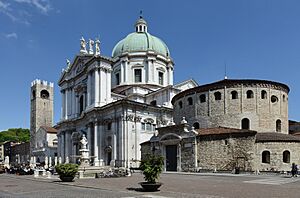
(274, 99)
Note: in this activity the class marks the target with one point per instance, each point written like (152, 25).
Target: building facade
(228, 124)
(117, 101)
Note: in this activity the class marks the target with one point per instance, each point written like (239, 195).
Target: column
(67, 145)
(66, 103)
(73, 104)
(89, 137)
(100, 127)
(88, 89)
(122, 72)
(63, 104)
(58, 144)
(108, 87)
(76, 105)
(97, 82)
(62, 155)
(96, 150)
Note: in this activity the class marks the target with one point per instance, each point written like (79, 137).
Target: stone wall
(224, 152)
(276, 150)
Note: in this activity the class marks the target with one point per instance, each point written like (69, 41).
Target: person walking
(294, 170)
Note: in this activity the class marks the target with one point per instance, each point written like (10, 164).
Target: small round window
(274, 99)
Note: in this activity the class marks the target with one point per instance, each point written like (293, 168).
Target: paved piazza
(175, 185)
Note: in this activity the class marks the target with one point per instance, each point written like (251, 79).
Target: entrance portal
(171, 158)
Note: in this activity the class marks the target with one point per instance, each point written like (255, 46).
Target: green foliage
(151, 167)
(15, 134)
(67, 170)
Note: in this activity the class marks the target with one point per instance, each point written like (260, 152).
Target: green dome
(141, 41)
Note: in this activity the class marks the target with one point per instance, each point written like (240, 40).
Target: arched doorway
(171, 151)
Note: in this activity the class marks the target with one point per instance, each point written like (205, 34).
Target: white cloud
(42, 5)
(3, 5)
(12, 35)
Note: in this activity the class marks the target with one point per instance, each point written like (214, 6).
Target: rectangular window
(143, 127)
(161, 78)
(137, 75)
(109, 126)
(117, 78)
(149, 127)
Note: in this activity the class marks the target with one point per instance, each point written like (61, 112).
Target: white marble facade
(118, 101)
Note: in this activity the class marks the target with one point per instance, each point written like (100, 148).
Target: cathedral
(117, 102)
(128, 107)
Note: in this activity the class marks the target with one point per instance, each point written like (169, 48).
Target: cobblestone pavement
(174, 185)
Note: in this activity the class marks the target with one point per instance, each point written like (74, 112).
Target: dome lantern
(141, 24)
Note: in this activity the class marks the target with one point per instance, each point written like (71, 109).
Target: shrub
(151, 167)
(67, 170)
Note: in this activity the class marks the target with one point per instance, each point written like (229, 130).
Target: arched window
(245, 123)
(190, 101)
(218, 95)
(109, 126)
(265, 157)
(234, 95)
(196, 125)
(283, 98)
(278, 125)
(274, 99)
(202, 98)
(263, 94)
(153, 103)
(80, 104)
(286, 157)
(180, 104)
(250, 94)
(44, 94)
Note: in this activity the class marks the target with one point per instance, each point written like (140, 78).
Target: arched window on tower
(265, 157)
(202, 98)
(263, 94)
(80, 104)
(218, 95)
(180, 104)
(286, 156)
(190, 101)
(234, 95)
(44, 94)
(278, 125)
(245, 123)
(250, 94)
(196, 125)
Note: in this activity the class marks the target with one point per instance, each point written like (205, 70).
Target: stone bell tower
(41, 108)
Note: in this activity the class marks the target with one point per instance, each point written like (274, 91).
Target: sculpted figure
(97, 47)
(91, 45)
(83, 141)
(82, 45)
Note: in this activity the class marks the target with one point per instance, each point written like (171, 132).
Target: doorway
(171, 158)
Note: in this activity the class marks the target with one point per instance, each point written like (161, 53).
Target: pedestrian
(294, 170)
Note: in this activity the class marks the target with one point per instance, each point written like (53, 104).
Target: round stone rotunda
(258, 105)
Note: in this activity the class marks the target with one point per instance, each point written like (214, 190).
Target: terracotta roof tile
(49, 129)
(276, 137)
(222, 130)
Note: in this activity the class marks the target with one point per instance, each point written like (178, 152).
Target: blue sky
(256, 39)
